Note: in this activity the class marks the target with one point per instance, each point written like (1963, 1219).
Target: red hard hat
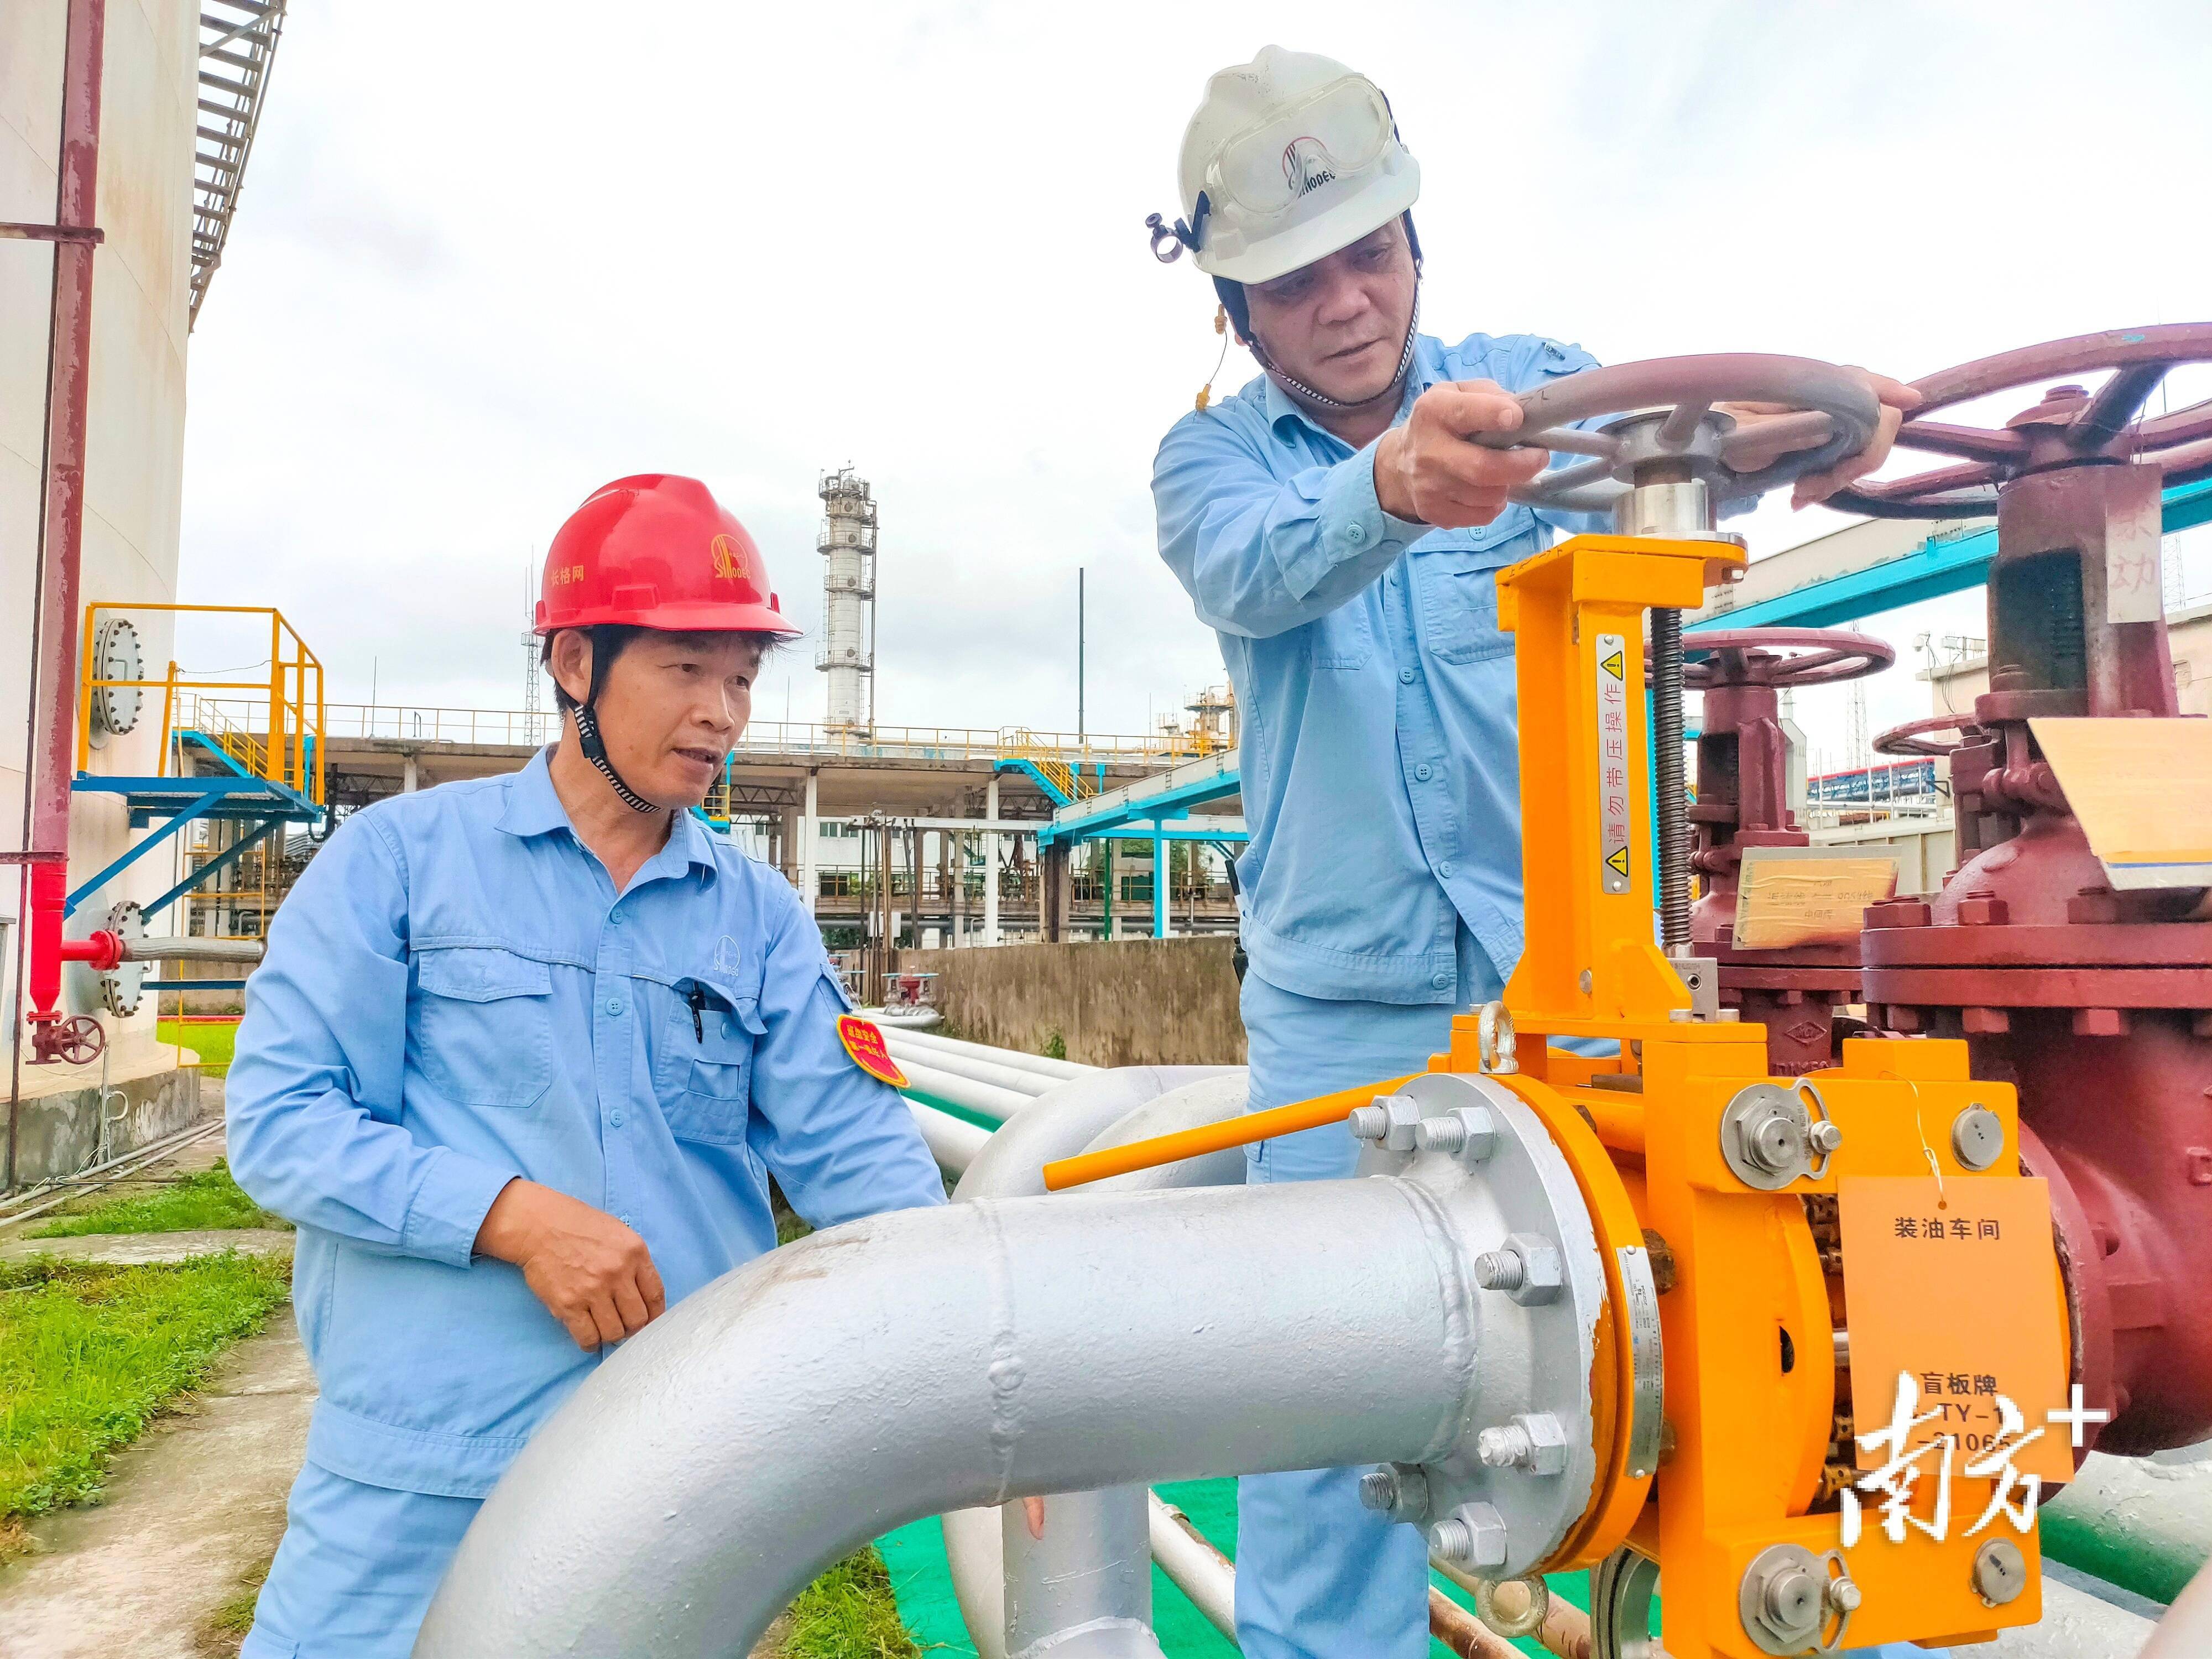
(657, 551)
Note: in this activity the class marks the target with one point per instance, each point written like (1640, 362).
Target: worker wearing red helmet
(521, 1058)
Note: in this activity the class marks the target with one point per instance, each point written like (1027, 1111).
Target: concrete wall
(1135, 1002)
(134, 460)
(58, 1133)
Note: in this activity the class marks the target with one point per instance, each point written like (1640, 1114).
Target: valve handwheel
(1668, 423)
(2069, 427)
(1750, 656)
(1917, 739)
(78, 1040)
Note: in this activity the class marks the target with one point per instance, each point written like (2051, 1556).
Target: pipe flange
(123, 988)
(1535, 1292)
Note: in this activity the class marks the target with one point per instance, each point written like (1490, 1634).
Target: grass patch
(212, 1043)
(848, 1613)
(90, 1354)
(224, 1632)
(207, 1198)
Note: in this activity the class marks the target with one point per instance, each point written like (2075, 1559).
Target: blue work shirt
(454, 996)
(1379, 755)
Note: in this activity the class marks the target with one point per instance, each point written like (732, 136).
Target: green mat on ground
(915, 1557)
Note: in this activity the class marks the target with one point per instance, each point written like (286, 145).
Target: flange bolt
(1469, 1132)
(1472, 1535)
(1368, 1123)
(1527, 1266)
(1534, 1441)
(1499, 1270)
(1400, 1490)
(1825, 1135)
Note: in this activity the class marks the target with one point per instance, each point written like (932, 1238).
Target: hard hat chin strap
(1321, 399)
(594, 746)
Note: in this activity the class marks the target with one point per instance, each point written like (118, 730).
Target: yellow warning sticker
(1613, 797)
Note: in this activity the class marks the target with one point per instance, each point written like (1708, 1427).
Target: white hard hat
(1289, 158)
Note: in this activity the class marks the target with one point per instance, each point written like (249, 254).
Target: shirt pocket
(484, 1032)
(1456, 586)
(1343, 639)
(706, 1072)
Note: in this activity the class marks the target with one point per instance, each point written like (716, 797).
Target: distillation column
(848, 653)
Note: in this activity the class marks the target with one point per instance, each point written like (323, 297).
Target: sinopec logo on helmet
(729, 563)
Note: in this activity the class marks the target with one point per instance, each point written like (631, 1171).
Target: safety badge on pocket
(864, 1041)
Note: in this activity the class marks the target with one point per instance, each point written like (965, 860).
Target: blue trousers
(356, 1569)
(1318, 1576)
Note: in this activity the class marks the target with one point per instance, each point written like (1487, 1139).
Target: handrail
(287, 749)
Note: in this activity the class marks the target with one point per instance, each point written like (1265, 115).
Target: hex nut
(1825, 1136)
(1535, 1441)
(1401, 1117)
(1527, 1266)
(1467, 1133)
(1978, 1138)
(1474, 1535)
(1999, 1571)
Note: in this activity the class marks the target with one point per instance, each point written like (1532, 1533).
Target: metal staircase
(238, 43)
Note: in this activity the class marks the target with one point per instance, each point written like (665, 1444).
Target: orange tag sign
(1955, 1288)
(864, 1041)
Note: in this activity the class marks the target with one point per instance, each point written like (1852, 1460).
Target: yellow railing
(288, 705)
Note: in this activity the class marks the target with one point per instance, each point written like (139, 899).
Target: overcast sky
(486, 262)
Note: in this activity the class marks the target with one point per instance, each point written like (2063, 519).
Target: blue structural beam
(1053, 791)
(229, 856)
(192, 985)
(190, 811)
(1174, 795)
(1941, 564)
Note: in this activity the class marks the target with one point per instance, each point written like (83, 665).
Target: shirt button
(614, 918)
(1404, 677)
(1422, 771)
(616, 1119)
(1355, 533)
(1441, 981)
(614, 1007)
(1446, 868)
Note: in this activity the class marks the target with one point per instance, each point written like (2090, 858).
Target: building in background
(847, 651)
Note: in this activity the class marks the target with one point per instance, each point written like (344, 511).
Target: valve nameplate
(1612, 795)
(1646, 1354)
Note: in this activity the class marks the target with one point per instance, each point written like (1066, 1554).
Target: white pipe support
(1078, 1569)
(1042, 1064)
(954, 1142)
(2185, 1632)
(987, 1099)
(916, 1362)
(1085, 1526)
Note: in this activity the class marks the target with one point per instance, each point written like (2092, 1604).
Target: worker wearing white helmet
(1335, 527)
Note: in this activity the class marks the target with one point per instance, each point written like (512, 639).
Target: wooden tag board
(1958, 1289)
(2142, 790)
(1792, 895)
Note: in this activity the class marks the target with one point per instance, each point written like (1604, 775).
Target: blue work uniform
(1380, 888)
(455, 996)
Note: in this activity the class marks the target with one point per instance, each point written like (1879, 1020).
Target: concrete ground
(192, 1510)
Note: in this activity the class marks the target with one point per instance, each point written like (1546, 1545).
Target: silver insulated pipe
(934, 1360)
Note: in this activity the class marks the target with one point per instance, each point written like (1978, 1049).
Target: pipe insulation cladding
(914, 1363)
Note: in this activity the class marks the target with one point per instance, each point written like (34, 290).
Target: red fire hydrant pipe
(62, 539)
